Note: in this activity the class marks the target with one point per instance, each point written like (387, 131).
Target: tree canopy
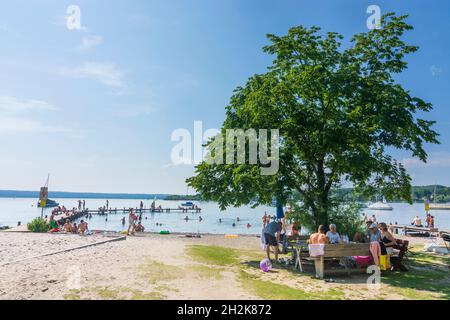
(338, 111)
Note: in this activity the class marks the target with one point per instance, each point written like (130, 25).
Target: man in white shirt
(332, 235)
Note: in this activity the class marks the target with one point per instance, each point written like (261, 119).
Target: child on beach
(82, 227)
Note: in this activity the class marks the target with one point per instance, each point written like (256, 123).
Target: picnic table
(299, 250)
(333, 252)
(337, 252)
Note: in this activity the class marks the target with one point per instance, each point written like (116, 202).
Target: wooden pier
(145, 210)
(416, 230)
(71, 216)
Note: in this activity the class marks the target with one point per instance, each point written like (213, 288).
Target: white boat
(381, 206)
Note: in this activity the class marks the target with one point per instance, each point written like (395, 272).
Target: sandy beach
(149, 266)
(154, 266)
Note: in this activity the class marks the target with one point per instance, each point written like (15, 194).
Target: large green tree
(339, 113)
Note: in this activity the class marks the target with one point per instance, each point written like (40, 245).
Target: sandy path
(150, 267)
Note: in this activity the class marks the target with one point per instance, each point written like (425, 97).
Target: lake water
(24, 210)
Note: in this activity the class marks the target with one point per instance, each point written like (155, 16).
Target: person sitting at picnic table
(272, 234)
(332, 235)
(375, 239)
(387, 239)
(296, 229)
(319, 237)
(67, 227)
(82, 227)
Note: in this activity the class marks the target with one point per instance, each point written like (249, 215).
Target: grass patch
(420, 284)
(139, 295)
(73, 295)
(205, 272)
(155, 272)
(274, 291)
(428, 276)
(108, 294)
(213, 255)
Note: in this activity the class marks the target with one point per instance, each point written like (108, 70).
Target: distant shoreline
(81, 195)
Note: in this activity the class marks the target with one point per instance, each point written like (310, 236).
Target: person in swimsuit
(132, 222)
(387, 239)
(82, 227)
(67, 227)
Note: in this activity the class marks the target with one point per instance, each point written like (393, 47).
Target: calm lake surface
(24, 210)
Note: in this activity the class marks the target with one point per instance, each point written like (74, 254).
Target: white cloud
(437, 159)
(435, 71)
(12, 105)
(103, 72)
(15, 116)
(89, 42)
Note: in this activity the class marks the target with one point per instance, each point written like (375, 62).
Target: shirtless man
(417, 222)
(319, 237)
(67, 226)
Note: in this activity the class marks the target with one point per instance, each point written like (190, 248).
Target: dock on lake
(74, 215)
(417, 231)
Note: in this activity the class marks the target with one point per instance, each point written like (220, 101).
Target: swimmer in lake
(187, 218)
(234, 224)
(220, 220)
(200, 219)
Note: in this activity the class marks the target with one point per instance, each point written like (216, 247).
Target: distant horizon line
(87, 195)
(8, 193)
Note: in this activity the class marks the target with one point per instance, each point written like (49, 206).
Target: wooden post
(319, 266)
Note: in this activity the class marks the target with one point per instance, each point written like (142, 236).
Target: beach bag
(363, 261)
(385, 262)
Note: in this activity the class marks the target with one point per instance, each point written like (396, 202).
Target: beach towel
(316, 250)
(363, 261)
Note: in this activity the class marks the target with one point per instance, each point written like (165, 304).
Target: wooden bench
(396, 260)
(339, 251)
(445, 235)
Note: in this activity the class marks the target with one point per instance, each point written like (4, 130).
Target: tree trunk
(321, 216)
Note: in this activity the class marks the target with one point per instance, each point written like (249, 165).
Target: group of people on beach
(81, 228)
(379, 236)
(134, 223)
(68, 227)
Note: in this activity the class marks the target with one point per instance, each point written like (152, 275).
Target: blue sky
(96, 107)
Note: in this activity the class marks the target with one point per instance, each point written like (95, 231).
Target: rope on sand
(66, 250)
